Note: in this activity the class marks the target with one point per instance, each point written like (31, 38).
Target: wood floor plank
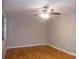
(37, 52)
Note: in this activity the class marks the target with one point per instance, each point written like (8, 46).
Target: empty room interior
(39, 29)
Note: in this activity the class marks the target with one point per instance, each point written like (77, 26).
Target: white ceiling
(11, 4)
(19, 5)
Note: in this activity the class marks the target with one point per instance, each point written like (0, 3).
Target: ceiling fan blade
(55, 13)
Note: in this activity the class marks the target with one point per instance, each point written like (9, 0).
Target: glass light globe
(45, 16)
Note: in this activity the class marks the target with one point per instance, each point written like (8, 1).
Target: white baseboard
(44, 44)
(70, 53)
(26, 46)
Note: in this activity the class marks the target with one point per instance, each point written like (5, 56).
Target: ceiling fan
(46, 10)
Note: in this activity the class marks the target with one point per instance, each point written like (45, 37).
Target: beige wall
(23, 29)
(61, 31)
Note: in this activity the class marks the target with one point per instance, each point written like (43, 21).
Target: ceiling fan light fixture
(46, 11)
(45, 16)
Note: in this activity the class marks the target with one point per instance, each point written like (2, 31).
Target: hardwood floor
(37, 52)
